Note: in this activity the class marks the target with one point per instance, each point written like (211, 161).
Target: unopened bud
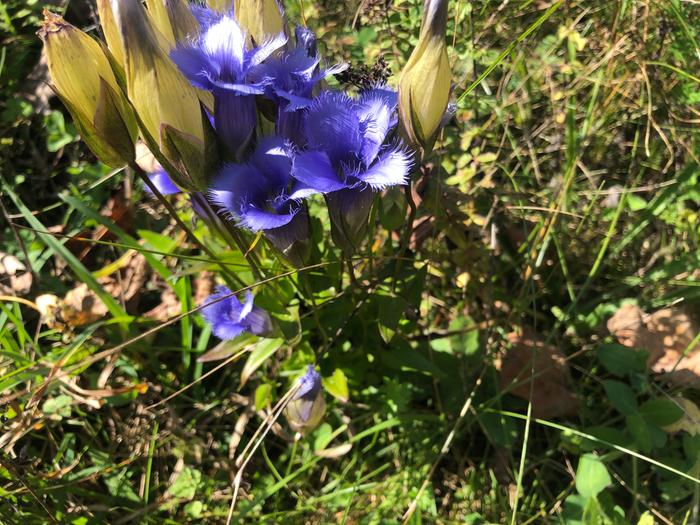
(83, 78)
(349, 211)
(111, 31)
(222, 6)
(166, 104)
(173, 19)
(307, 408)
(261, 19)
(425, 84)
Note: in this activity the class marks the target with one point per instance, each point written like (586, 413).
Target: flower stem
(173, 213)
(406, 239)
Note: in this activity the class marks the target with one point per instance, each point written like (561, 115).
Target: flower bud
(261, 19)
(307, 408)
(424, 87)
(166, 105)
(111, 31)
(82, 77)
(349, 211)
(173, 19)
(221, 6)
(293, 240)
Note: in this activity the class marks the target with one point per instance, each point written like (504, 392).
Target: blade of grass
(533, 27)
(579, 433)
(82, 273)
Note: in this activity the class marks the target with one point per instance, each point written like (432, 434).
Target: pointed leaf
(262, 352)
(337, 385)
(591, 476)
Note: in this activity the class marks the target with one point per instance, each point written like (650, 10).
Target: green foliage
(565, 185)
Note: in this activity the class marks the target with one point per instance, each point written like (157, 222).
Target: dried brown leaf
(14, 277)
(168, 307)
(551, 392)
(667, 335)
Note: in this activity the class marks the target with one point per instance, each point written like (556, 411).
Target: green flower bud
(81, 75)
(425, 84)
(222, 6)
(173, 19)
(349, 212)
(261, 19)
(166, 104)
(111, 31)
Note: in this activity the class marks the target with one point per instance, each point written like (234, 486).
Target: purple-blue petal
(314, 170)
(332, 125)
(265, 49)
(229, 318)
(206, 16)
(163, 183)
(272, 158)
(194, 64)
(235, 118)
(234, 186)
(376, 109)
(309, 384)
(391, 168)
(306, 40)
(225, 43)
(258, 322)
(228, 330)
(257, 219)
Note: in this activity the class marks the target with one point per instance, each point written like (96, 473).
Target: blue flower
(345, 143)
(289, 81)
(306, 409)
(219, 61)
(260, 194)
(229, 317)
(347, 158)
(309, 384)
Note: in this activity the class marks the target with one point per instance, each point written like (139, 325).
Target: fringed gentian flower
(261, 195)
(229, 317)
(219, 61)
(290, 80)
(305, 411)
(347, 158)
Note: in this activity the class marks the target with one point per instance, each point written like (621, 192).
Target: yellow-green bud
(261, 19)
(222, 6)
(166, 104)
(110, 30)
(82, 77)
(424, 87)
(173, 19)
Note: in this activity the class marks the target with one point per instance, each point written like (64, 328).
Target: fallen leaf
(168, 307)
(14, 277)
(118, 210)
(551, 393)
(203, 286)
(667, 335)
(124, 280)
(82, 306)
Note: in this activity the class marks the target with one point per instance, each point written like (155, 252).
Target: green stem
(173, 213)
